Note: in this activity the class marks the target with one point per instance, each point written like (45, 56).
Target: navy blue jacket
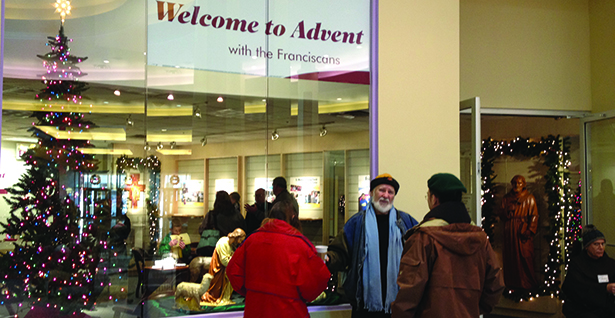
(346, 252)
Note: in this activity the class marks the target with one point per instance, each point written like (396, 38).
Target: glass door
(470, 147)
(598, 174)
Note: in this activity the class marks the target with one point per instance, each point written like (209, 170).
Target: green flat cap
(445, 182)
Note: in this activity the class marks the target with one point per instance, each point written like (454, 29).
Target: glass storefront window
(136, 113)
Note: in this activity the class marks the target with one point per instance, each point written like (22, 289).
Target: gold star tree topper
(63, 8)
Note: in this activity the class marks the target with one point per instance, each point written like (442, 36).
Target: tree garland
(152, 164)
(555, 154)
(124, 162)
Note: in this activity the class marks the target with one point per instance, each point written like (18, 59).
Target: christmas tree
(54, 262)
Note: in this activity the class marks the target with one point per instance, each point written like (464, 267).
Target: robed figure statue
(520, 216)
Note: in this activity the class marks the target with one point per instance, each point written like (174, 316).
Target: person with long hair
(227, 218)
(209, 235)
(277, 269)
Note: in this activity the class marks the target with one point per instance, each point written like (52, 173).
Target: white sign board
(276, 38)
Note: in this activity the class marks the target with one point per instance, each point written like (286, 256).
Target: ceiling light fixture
(129, 121)
(117, 92)
(220, 99)
(173, 144)
(159, 146)
(170, 97)
(197, 112)
(275, 135)
(323, 131)
(203, 141)
(147, 147)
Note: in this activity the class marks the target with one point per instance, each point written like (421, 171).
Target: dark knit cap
(384, 178)
(591, 234)
(445, 183)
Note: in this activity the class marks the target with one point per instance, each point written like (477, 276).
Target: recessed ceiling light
(117, 92)
(220, 99)
(164, 129)
(105, 102)
(176, 66)
(264, 100)
(339, 98)
(170, 97)
(106, 61)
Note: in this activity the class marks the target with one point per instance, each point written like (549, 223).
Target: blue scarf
(372, 291)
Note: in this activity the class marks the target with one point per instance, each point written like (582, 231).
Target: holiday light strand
(55, 261)
(555, 154)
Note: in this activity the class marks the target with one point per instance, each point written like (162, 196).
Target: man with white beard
(369, 247)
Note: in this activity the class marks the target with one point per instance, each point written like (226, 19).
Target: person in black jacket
(255, 213)
(280, 189)
(227, 218)
(589, 286)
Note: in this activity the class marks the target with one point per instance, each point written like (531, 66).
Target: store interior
(214, 131)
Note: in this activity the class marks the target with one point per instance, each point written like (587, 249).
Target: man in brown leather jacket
(448, 268)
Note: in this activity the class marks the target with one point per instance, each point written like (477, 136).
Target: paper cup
(321, 250)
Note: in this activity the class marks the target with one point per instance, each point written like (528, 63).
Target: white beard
(383, 206)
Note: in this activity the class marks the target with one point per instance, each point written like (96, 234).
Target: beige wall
(521, 54)
(418, 95)
(526, 53)
(602, 44)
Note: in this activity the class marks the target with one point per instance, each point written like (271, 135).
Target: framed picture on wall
(192, 192)
(306, 190)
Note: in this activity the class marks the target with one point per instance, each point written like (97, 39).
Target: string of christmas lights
(555, 154)
(151, 165)
(124, 162)
(54, 263)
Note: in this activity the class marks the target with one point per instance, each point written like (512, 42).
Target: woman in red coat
(277, 269)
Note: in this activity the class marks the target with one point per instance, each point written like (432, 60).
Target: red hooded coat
(278, 270)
